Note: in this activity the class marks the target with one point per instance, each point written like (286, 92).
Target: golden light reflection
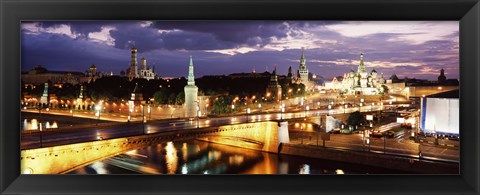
(99, 167)
(214, 155)
(339, 172)
(184, 152)
(236, 160)
(54, 125)
(171, 158)
(34, 124)
(305, 169)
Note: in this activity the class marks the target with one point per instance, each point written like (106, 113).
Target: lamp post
(346, 106)
(361, 104)
(129, 111)
(281, 115)
(40, 128)
(143, 118)
(247, 113)
(368, 142)
(149, 113)
(71, 112)
(98, 108)
(329, 107)
(384, 143)
(198, 114)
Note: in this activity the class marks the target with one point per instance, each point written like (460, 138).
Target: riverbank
(414, 165)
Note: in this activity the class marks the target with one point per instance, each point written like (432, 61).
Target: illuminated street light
(143, 118)
(40, 128)
(198, 114)
(307, 108)
(149, 113)
(247, 113)
(98, 108)
(281, 115)
(129, 111)
(368, 142)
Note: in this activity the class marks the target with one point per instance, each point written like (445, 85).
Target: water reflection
(171, 158)
(34, 124)
(197, 157)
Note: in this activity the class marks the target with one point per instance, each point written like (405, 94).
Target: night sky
(416, 49)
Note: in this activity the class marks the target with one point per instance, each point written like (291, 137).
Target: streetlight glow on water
(198, 157)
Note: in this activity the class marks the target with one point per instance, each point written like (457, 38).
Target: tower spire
(302, 69)
(361, 67)
(303, 57)
(191, 77)
(361, 59)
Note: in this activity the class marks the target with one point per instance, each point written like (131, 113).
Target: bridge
(264, 136)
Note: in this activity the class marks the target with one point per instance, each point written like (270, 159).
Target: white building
(360, 82)
(191, 94)
(439, 113)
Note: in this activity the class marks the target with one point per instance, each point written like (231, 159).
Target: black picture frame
(14, 11)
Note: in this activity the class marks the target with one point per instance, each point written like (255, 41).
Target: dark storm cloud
(81, 28)
(59, 52)
(235, 32)
(167, 45)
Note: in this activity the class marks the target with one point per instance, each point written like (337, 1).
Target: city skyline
(416, 49)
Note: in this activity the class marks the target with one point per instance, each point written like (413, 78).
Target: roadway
(95, 132)
(399, 145)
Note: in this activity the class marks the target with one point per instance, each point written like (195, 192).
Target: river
(198, 157)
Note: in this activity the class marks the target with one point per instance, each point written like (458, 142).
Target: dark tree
(222, 105)
(180, 98)
(355, 118)
(161, 96)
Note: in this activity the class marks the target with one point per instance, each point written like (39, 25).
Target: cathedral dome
(351, 73)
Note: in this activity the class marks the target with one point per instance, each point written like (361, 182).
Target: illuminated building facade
(191, 93)
(358, 83)
(145, 71)
(274, 90)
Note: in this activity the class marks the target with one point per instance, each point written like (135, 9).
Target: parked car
(389, 133)
(406, 125)
(377, 134)
(335, 131)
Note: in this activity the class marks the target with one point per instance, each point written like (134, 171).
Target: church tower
(133, 73)
(361, 68)
(302, 70)
(144, 64)
(45, 99)
(191, 93)
(442, 78)
(273, 87)
(79, 103)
